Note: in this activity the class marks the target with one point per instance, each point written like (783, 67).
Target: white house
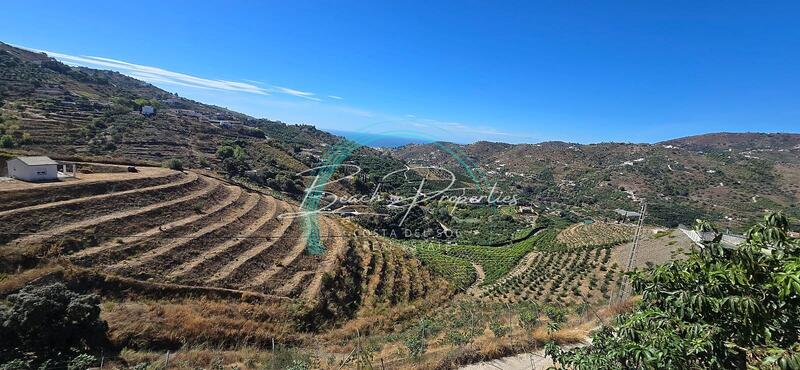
(148, 110)
(33, 168)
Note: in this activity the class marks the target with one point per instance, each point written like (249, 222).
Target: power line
(624, 284)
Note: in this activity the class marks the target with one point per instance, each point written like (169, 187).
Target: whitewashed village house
(33, 168)
(148, 110)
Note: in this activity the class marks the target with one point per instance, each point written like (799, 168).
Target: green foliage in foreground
(50, 326)
(718, 309)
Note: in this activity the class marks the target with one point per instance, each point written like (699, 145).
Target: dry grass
(488, 347)
(207, 358)
(10, 284)
(218, 323)
(618, 308)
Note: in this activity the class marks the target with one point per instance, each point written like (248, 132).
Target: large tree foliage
(49, 323)
(720, 308)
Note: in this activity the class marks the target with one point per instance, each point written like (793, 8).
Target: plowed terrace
(163, 226)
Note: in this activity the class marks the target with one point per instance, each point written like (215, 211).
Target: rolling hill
(730, 178)
(94, 115)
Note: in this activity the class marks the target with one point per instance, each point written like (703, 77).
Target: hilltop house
(148, 110)
(627, 215)
(33, 168)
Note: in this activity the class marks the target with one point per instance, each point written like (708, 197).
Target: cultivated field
(595, 234)
(190, 230)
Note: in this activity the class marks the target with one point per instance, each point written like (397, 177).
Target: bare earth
(87, 178)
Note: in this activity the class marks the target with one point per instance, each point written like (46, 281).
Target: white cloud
(297, 93)
(302, 111)
(160, 75)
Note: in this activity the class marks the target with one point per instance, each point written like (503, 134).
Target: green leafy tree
(224, 152)
(50, 323)
(174, 164)
(6, 141)
(720, 308)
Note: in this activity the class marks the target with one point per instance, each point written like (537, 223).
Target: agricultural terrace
(575, 264)
(595, 234)
(194, 232)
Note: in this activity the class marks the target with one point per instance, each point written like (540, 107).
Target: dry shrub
(562, 337)
(618, 308)
(10, 284)
(219, 323)
(197, 358)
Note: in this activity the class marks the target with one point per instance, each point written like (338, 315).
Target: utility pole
(632, 256)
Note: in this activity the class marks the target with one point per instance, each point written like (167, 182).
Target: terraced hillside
(730, 184)
(85, 114)
(194, 230)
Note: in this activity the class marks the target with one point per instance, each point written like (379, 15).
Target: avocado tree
(720, 308)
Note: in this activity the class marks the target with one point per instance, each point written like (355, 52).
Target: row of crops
(565, 277)
(569, 265)
(454, 261)
(594, 235)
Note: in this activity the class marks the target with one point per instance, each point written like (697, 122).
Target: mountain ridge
(75, 112)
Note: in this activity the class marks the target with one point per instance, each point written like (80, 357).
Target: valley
(196, 232)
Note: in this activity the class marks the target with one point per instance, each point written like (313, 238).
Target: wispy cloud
(163, 76)
(302, 109)
(297, 93)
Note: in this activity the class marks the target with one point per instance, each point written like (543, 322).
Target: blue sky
(523, 71)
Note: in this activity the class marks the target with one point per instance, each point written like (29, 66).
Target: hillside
(739, 142)
(188, 252)
(680, 183)
(81, 113)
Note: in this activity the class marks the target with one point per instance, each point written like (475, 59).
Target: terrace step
(226, 249)
(235, 194)
(21, 198)
(21, 222)
(248, 257)
(151, 255)
(51, 236)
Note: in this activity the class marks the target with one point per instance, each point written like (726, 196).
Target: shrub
(6, 141)
(720, 308)
(498, 329)
(51, 322)
(174, 164)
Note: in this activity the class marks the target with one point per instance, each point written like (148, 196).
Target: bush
(6, 141)
(720, 308)
(174, 164)
(50, 323)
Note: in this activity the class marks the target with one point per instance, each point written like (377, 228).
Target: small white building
(33, 168)
(148, 110)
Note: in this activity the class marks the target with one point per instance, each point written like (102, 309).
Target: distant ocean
(377, 140)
